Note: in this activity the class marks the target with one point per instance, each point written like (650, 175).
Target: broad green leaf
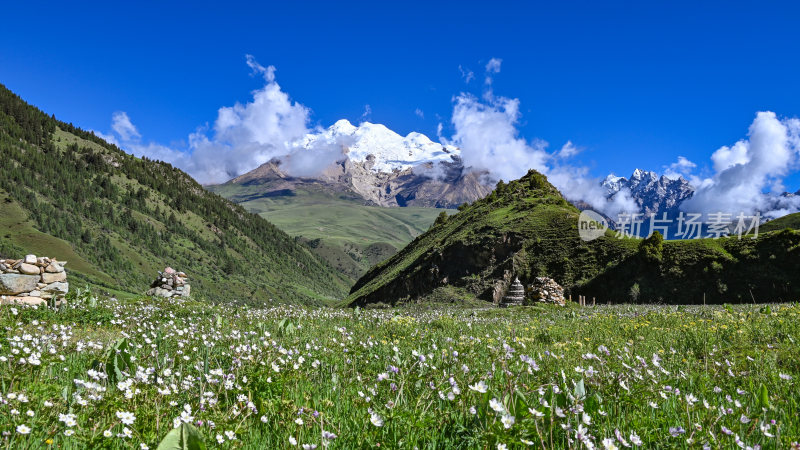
(185, 437)
(520, 405)
(580, 390)
(763, 396)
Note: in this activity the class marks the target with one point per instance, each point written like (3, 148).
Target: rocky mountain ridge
(379, 165)
(651, 192)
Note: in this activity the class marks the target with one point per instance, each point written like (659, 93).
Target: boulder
(26, 300)
(28, 269)
(54, 277)
(12, 283)
(30, 259)
(160, 292)
(57, 287)
(54, 268)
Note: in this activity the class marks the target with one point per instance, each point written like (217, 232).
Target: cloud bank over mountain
(747, 176)
(242, 137)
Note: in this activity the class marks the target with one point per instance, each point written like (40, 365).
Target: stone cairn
(515, 295)
(546, 290)
(32, 280)
(170, 284)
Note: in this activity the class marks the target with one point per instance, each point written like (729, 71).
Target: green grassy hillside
(695, 271)
(351, 236)
(118, 219)
(791, 221)
(526, 229)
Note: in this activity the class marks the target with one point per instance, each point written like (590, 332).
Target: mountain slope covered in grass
(337, 225)
(791, 221)
(527, 229)
(117, 219)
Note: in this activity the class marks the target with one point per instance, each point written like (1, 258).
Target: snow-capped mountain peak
(653, 193)
(387, 150)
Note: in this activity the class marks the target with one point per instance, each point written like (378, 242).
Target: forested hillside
(68, 194)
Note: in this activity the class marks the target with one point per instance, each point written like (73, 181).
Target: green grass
(411, 377)
(791, 221)
(348, 234)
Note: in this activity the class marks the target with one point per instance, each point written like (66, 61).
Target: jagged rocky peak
(653, 193)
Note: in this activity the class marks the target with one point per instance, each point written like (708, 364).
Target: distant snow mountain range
(387, 169)
(661, 194)
(653, 193)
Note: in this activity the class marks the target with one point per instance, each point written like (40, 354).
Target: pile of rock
(546, 290)
(32, 280)
(515, 295)
(170, 284)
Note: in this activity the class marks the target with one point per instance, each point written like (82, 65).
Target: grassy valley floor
(349, 235)
(114, 374)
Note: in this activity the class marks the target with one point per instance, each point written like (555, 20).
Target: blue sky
(634, 84)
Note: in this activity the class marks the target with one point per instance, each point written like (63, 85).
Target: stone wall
(170, 284)
(32, 280)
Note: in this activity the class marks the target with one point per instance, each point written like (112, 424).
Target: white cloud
(110, 138)
(242, 137)
(492, 67)
(267, 72)
(727, 157)
(749, 175)
(680, 168)
(466, 74)
(121, 124)
(367, 113)
(568, 150)
(320, 154)
(576, 184)
(486, 132)
(419, 113)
